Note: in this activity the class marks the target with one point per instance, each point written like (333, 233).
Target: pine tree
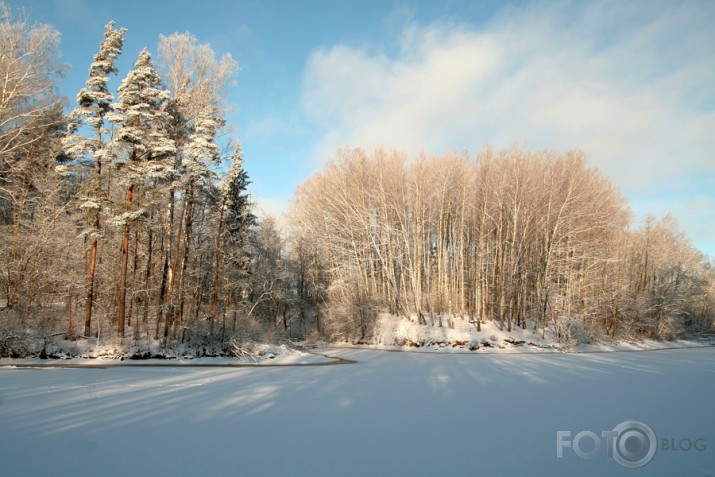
(197, 155)
(201, 149)
(238, 216)
(235, 218)
(142, 135)
(94, 102)
(196, 78)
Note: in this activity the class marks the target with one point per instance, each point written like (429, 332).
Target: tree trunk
(166, 244)
(90, 283)
(70, 325)
(174, 265)
(147, 286)
(123, 270)
(93, 253)
(187, 251)
(162, 295)
(135, 265)
(213, 307)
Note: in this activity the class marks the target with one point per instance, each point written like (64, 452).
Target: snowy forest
(523, 239)
(125, 217)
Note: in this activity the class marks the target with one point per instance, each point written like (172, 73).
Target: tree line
(525, 239)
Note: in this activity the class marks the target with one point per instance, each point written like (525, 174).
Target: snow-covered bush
(568, 331)
(350, 322)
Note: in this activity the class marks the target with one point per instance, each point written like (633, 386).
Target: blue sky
(631, 83)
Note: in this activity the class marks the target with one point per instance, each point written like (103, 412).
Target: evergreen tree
(94, 102)
(149, 151)
(199, 151)
(234, 222)
(238, 216)
(196, 78)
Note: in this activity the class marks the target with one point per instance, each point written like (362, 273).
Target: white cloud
(628, 82)
(270, 206)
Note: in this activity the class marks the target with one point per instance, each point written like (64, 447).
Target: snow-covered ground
(390, 414)
(395, 333)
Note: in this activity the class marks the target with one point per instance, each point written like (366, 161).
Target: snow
(390, 414)
(393, 333)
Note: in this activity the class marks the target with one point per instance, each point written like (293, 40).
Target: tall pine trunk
(93, 252)
(147, 284)
(123, 269)
(135, 265)
(213, 307)
(174, 265)
(90, 282)
(166, 242)
(187, 250)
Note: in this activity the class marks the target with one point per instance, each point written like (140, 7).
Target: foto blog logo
(632, 444)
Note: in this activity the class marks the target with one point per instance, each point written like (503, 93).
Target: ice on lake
(390, 414)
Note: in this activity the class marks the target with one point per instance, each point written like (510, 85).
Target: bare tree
(30, 117)
(509, 236)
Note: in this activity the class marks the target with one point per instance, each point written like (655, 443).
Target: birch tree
(30, 115)
(508, 236)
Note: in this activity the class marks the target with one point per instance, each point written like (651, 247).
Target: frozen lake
(390, 414)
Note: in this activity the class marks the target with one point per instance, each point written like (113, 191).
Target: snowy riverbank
(392, 333)
(260, 355)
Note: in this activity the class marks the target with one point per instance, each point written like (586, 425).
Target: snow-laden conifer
(143, 140)
(94, 102)
(142, 122)
(236, 203)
